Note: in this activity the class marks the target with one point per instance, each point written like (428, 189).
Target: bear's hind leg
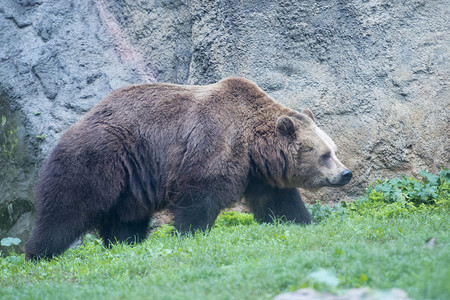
(268, 203)
(53, 237)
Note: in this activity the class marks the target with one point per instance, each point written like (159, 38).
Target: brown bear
(194, 150)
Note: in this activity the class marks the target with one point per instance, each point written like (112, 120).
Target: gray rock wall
(374, 72)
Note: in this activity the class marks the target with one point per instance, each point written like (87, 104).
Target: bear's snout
(346, 176)
(342, 179)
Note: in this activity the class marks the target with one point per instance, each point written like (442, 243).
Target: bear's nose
(346, 175)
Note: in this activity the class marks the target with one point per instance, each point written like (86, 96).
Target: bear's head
(308, 153)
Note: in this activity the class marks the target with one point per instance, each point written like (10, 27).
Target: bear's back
(225, 94)
(232, 100)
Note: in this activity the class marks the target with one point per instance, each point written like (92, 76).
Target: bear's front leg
(114, 230)
(194, 217)
(268, 203)
(197, 207)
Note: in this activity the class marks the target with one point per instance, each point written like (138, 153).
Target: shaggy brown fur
(192, 149)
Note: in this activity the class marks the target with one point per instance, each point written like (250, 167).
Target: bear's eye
(326, 156)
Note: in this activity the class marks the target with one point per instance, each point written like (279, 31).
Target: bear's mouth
(336, 184)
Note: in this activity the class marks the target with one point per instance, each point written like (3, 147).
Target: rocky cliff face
(374, 72)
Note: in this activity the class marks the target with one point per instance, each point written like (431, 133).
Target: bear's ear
(309, 113)
(285, 126)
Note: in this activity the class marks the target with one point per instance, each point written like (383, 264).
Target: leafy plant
(322, 279)
(397, 196)
(404, 195)
(408, 189)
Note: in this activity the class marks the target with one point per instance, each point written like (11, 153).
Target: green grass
(378, 241)
(248, 262)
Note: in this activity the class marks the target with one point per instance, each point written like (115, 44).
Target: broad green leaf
(9, 241)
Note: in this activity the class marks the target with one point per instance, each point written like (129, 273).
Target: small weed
(320, 212)
(40, 137)
(165, 230)
(232, 218)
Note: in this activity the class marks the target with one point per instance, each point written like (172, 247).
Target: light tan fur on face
(334, 166)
